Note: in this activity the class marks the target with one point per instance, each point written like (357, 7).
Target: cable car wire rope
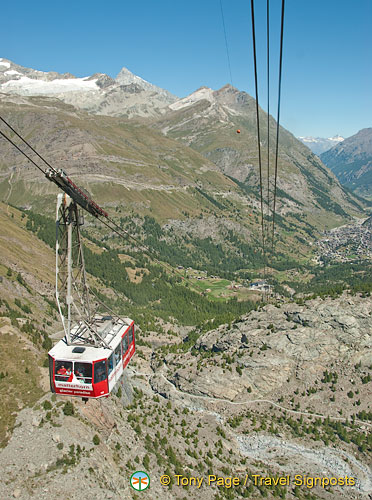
(226, 44)
(277, 124)
(29, 145)
(258, 136)
(268, 103)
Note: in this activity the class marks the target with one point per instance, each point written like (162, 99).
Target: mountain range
(126, 95)
(319, 145)
(143, 152)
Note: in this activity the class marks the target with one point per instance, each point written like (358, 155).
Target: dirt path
(267, 401)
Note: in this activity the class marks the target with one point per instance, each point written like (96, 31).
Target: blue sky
(180, 46)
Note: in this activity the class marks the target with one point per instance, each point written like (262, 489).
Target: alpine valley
(225, 381)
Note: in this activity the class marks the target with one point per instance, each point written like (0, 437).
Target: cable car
(88, 371)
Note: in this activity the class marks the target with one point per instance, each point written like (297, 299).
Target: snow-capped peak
(97, 93)
(336, 138)
(126, 77)
(319, 145)
(4, 63)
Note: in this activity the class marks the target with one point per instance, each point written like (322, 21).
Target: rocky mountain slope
(283, 391)
(351, 161)
(208, 121)
(126, 95)
(319, 145)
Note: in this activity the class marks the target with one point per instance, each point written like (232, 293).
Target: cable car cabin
(92, 372)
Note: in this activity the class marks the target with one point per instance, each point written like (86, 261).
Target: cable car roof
(108, 329)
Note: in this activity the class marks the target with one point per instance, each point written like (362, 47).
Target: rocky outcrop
(276, 348)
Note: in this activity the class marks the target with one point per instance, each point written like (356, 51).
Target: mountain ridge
(351, 161)
(126, 95)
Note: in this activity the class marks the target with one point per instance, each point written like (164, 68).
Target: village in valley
(346, 243)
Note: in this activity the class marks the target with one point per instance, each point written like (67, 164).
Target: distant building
(260, 286)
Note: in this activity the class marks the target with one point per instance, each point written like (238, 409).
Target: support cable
(29, 145)
(20, 150)
(258, 137)
(226, 44)
(277, 124)
(268, 104)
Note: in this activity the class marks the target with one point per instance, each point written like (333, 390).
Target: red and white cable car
(90, 359)
(92, 372)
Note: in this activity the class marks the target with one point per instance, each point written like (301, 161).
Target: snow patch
(30, 86)
(336, 138)
(6, 64)
(12, 72)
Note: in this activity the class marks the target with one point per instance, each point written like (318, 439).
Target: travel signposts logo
(139, 480)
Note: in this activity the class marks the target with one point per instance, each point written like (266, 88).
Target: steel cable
(258, 136)
(277, 124)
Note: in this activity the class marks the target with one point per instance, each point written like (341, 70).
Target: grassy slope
(21, 385)
(21, 357)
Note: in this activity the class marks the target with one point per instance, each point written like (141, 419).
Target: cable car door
(100, 378)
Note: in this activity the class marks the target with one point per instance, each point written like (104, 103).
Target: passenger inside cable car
(68, 371)
(63, 370)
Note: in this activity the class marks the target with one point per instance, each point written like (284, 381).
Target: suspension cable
(226, 44)
(20, 150)
(258, 137)
(277, 124)
(268, 103)
(29, 145)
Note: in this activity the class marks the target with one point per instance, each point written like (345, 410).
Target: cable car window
(125, 344)
(83, 372)
(118, 354)
(131, 334)
(63, 370)
(111, 363)
(99, 371)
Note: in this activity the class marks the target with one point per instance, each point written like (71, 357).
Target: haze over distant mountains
(319, 145)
